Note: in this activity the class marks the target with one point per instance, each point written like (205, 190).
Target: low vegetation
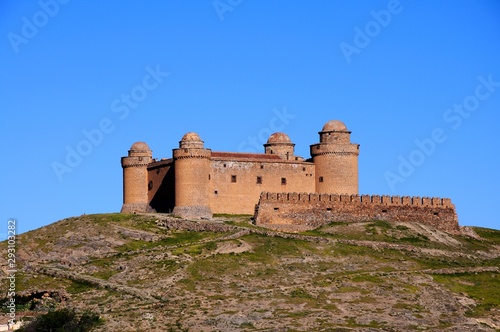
(63, 320)
(115, 272)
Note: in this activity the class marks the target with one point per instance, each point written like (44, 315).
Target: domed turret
(135, 178)
(281, 145)
(191, 140)
(278, 138)
(192, 170)
(336, 160)
(334, 125)
(139, 149)
(335, 131)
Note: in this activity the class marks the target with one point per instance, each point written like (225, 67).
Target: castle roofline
(244, 156)
(255, 157)
(162, 162)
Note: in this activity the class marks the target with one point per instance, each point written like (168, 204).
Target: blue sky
(417, 83)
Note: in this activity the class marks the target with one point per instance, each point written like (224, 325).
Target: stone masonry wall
(315, 210)
(235, 186)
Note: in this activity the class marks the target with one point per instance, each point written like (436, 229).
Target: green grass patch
(419, 238)
(367, 278)
(300, 293)
(214, 267)
(79, 286)
(106, 267)
(26, 281)
(489, 234)
(298, 314)
(111, 217)
(382, 224)
(267, 248)
(406, 306)
(247, 325)
(167, 264)
(194, 250)
(105, 274)
(189, 284)
(174, 238)
(483, 287)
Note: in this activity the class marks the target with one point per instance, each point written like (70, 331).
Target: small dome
(279, 138)
(139, 146)
(192, 136)
(334, 125)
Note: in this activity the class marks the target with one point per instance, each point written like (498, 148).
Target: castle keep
(198, 182)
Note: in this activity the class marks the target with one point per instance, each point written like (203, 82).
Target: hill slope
(153, 272)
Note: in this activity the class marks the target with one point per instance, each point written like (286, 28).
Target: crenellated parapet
(135, 162)
(314, 209)
(197, 153)
(361, 199)
(343, 150)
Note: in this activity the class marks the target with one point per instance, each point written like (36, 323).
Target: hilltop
(154, 272)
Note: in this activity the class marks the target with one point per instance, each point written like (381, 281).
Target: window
(320, 179)
(283, 181)
(209, 176)
(216, 192)
(276, 209)
(328, 209)
(384, 211)
(233, 178)
(150, 185)
(224, 165)
(304, 169)
(259, 180)
(261, 166)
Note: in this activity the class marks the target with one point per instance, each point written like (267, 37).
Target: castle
(198, 182)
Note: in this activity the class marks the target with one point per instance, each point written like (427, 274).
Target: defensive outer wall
(314, 210)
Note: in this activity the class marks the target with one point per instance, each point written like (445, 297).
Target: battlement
(314, 210)
(188, 153)
(361, 199)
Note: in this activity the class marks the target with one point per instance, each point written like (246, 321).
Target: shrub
(63, 320)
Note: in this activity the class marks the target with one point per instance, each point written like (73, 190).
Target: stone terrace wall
(314, 210)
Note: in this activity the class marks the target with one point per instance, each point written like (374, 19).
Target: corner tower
(192, 178)
(135, 178)
(281, 145)
(336, 160)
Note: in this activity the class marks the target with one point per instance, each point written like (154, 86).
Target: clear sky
(417, 83)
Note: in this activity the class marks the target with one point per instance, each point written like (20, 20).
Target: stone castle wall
(314, 210)
(161, 189)
(235, 186)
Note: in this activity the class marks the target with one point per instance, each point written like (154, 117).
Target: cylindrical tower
(281, 145)
(192, 172)
(135, 178)
(336, 160)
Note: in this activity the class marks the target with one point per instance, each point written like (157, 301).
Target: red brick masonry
(312, 209)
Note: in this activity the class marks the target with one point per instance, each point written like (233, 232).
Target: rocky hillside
(153, 272)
